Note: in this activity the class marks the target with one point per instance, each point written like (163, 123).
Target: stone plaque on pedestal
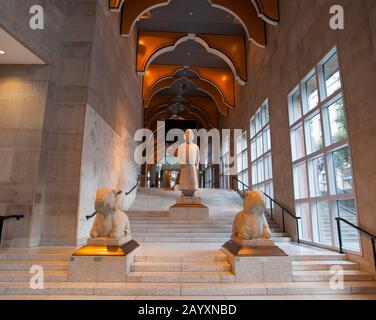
(189, 208)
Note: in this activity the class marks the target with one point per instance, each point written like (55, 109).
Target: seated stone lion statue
(251, 224)
(110, 222)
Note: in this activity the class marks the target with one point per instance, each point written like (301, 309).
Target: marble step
(180, 266)
(325, 275)
(191, 230)
(181, 277)
(318, 257)
(193, 239)
(21, 276)
(323, 265)
(25, 265)
(212, 234)
(190, 258)
(187, 289)
(34, 257)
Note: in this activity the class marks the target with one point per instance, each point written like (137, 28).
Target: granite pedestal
(190, 208)
(103, 260)
(258, 261)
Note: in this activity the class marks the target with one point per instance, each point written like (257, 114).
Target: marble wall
(294, 48)
(106, 162)
(87, 63)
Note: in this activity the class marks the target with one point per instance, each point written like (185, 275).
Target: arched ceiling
(191, 54)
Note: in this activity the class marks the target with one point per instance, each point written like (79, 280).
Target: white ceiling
(16, 53)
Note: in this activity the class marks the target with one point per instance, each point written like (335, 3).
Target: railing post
(339, 236)
(297, 230)
(271, 209)
(283, 220)
(374, 250)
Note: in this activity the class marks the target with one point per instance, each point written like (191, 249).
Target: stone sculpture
(110, 222)
(189, 160)
(251, 224)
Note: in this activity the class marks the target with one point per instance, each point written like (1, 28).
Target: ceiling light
(191, 13)
(188, 53)
(2, 52)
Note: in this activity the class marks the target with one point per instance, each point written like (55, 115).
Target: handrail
(17, 216)
(284, 209)
(127, 194)
(347, 209)
(367, 233)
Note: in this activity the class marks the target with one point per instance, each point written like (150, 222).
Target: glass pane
(240, 163)
(350, 236)
(313, 132)
(323, 222)
(258, 121)
(306, 224)
(297, 141)
(260, 170)
(337, 122)
(254, 174)
(312, 93)
(342, 171)
(295, 107)
(245, 161)
(239, 144)
(332, 75)
(260, 150)
(253, 150)
(253, 126)
(268, 167)
(317, 177)
(300, 181)
(244, 141)
(265, 114)
(266, 140)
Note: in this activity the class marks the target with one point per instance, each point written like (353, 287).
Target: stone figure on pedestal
(189, 160)
(110, 222)
(251, 224)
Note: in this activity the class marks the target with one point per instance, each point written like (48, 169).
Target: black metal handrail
(272, 201)
(346, 209)
(361, 230)
(120, 192)
(17, 216)
(3, 218)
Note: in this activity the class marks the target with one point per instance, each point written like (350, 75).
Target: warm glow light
(2, 52)
(224, 78)
(141, 42)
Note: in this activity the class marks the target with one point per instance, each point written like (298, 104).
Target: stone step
(191, 230)
(323, 257)
(323, 265)
(22, 276)
(325, 275)
(194, 234)
(162, 239)
(34, 257)
(186, 289)
(181, 277)
(194, 257)
(25, 265)
(180, 266)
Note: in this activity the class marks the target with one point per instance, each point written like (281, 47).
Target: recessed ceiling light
(189, 53)
(2, 52)
(191, 13)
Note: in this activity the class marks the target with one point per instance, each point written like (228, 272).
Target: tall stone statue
(189, 160)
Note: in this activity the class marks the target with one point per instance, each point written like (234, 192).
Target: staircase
(150, 224)
(183, 258)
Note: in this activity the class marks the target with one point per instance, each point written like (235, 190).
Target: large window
(242, 159)
(261, 156)
(321, 156)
